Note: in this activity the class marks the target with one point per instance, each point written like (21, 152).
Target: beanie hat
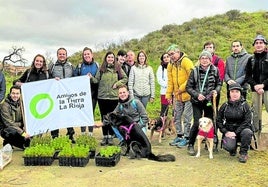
(207, 54)
(235, 86)
(173, 47)
(121, 52)
(260, 37)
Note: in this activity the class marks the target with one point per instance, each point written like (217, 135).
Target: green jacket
(106, 81)
(11, 115)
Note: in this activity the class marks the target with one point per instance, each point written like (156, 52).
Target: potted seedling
(40, 154)
(108, 156)
(59, 143)
(40, 140)
(76, 155)
(89, 141)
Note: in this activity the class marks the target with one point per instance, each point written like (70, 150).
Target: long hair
(145, 62)
(162, 63)
(117, 66)
(44, 68)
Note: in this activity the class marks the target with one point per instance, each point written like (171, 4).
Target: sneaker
(182, 143)
(175, 141)
(104, 141)
(191, 151)
(243, 158)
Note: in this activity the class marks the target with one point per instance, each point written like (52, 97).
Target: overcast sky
(43, 26)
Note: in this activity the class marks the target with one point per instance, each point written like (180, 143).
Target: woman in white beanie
(203, 83)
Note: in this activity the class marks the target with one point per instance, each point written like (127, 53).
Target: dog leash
(127, 136)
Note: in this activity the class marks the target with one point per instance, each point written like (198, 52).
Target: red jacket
(220, 66)
(209, 134)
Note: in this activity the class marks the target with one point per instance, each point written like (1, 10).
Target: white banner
(54, 104)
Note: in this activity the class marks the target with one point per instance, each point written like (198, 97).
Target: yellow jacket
(178, 75)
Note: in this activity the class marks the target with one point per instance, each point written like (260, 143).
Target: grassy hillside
(190, 36)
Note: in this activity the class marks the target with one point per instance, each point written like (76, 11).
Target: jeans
(144, 99)
(185, 110)
(117, 134)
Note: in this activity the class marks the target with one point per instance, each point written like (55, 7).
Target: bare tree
(15, 56)
(48, 57)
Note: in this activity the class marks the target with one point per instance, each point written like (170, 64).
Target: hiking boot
(104, 141)
(110, 141)
(175, 141)
(182, 143)
(191, 151)
(232, 153)
(243, 158)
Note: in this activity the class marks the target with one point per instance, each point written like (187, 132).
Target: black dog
(138, 145)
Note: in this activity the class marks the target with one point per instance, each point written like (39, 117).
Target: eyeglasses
(172, 53)
(204, 58)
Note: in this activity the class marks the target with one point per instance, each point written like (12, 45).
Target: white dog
(206, 131)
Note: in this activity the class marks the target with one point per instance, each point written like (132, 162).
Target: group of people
(125, 85)
(107, 81)
(195, 91)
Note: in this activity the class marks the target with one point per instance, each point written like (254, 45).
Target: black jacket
(196, 79)
(31, 75)
(257, 70)
(234, 116)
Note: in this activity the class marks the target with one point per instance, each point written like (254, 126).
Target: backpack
(79, 66)
(134, 106)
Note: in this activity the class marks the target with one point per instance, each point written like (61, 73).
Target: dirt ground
(188, 171)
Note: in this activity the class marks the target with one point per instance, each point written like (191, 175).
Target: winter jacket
(32, 74)
(126, 68)
(236, 68)
(135, 110)
(196, 79)
(141, 81)
(11, 115)
(162, 79)
(257, 70)
(85, 68)
(106, 80)
(220, 65)
(178, 75)
(2, 86)
(60, 69)
(234, 116)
